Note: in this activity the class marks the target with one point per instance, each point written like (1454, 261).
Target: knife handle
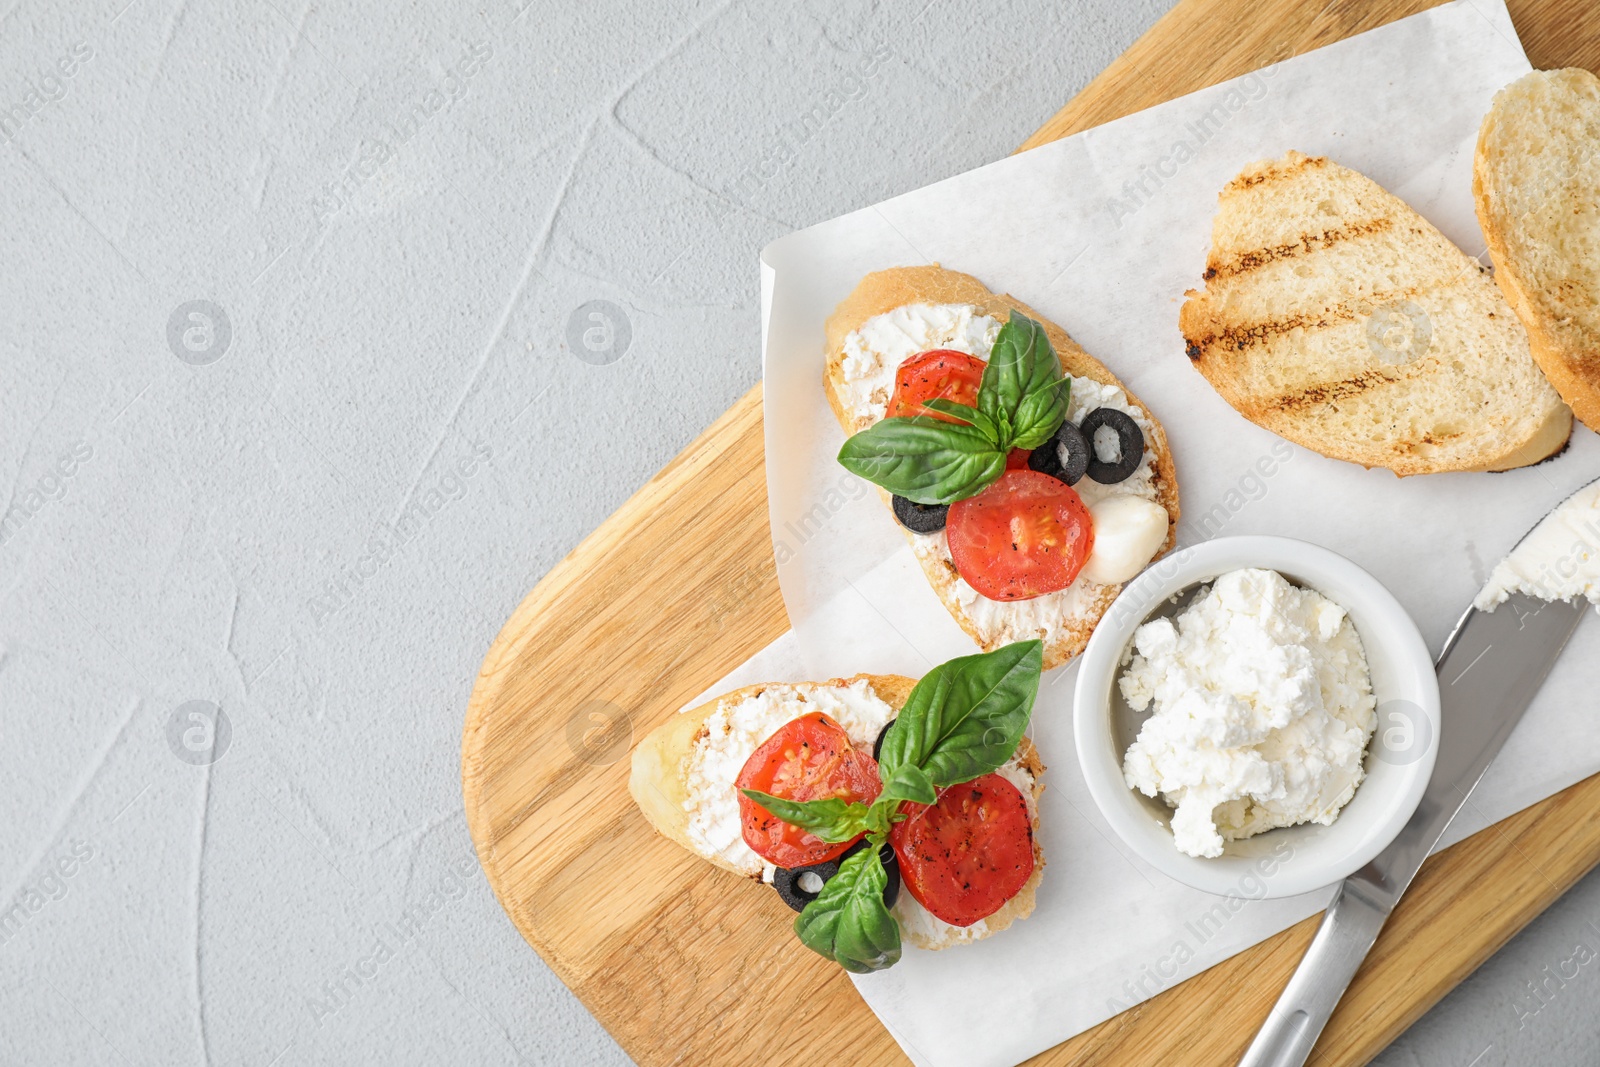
(1349, 927)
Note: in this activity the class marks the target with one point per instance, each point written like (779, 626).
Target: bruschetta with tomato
(881, 809)
(1030, 482)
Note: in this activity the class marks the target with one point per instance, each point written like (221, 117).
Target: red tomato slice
(808, 759)
(1025, 535)
(969, 853)
(943, 372)
(1017, 459)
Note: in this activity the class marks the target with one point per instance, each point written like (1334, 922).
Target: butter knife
(1490, 669)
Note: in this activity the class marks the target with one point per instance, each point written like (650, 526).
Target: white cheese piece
(872, 354)
(1128, 530)
(736, 729)
(1559, 560)
(1263, 710)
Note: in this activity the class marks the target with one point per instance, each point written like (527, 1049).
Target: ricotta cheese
(875, 351)
(1559, 560)
(737, 728)
(1263, 708)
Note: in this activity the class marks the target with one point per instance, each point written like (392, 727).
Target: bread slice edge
(1552, 351)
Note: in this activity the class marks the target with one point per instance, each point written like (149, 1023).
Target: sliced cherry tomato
(1017, 459)
(1025, 535)
(810, 758)
(943, 372)
(968, 853)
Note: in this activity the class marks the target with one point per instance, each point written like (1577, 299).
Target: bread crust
(1569, 357)
(885, 290)
(658, 783)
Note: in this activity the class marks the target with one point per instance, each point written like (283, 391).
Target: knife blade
(1489, 671)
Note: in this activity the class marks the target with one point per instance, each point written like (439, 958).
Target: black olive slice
(1130, 445)
(787, 882)
(920, 518)
(877, 746)
(891, 867)
(1046, 459)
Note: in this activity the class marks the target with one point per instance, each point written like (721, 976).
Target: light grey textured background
(311, 499)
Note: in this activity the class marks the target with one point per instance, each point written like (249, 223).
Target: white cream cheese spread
(737, 728)
(875, 351)
(1263, 708)
(1559, 560)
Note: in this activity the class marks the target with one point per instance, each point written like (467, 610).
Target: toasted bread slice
(1063, 620)
(1536, 179)
(1339, 318)
(659, 783)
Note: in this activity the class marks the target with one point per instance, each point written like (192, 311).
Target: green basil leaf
(882, 816)
(907, 782)
(833, 819)
(1020, 361)
(1016, 388)
(970, 415)
(924, 459)
(965, 718)
(1041, 413)
(847, 922)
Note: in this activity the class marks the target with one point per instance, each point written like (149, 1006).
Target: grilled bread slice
(1339, 318)
(1536, 179)
(1062, 620)
(659, 783)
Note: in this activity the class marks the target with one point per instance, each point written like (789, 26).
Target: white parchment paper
(1103, 232)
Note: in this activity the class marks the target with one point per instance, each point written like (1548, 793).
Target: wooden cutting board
(683, 963)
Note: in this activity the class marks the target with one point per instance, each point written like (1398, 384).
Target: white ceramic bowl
(1291, 860)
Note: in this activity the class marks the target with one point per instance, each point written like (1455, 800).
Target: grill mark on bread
(1248, 335)
(1276, 172)
(1307, 244)
(1239, 338)
(1345, 388)
(1324, 393)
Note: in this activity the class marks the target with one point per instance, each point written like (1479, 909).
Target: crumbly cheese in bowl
(1559, 560)
(737, 728)
(1263, 708)
(872, 354)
